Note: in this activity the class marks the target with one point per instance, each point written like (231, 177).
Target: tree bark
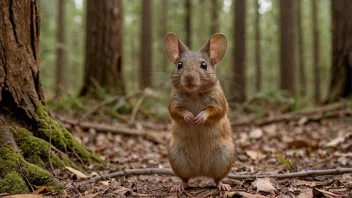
(163, 32)
(214, 26)
(316, 52)
(188, 24)
(301, 64)
(104, 57)
(25, 125)
(146, 46)
(257, 49)
(288, 56)
(60, 49)
(240, 50)
(341, 68)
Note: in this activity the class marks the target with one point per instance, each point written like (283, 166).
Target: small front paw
(189, 117)
(201, 118)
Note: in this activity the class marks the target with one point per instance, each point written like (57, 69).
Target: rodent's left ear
(215, 48)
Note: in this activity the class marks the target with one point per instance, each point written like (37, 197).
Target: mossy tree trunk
(25, 125)
(103, 65)
(341, 68)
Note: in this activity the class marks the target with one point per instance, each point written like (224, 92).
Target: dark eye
(179, 65)
(203, 65)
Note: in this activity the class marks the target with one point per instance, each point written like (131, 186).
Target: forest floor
(271, 148)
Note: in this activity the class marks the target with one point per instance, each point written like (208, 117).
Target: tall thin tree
(146, 46)
(240, 50)
(316, 52)
(287, 46)
(341, 68)
(60, 49)
(162, 32)
(258, 48)
(300, 37)
(188, 24)
(103, 66)
(214, 20)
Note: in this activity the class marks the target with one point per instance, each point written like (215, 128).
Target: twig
(168, 171)
(135, 109)
(292, 117)
(108, 101)
(49, 151)
(118, 129)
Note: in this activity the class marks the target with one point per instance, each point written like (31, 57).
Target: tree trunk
(287, 35)
(257, 49)
(341, 68)
(214, 26)
(163, 32)
(60, 49)
(146, 46)
(25, 125)
(188, 24)
(316, 52)
(240, 50)
(103, 66)
(301, 66)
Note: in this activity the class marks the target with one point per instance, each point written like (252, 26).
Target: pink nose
(189, 77)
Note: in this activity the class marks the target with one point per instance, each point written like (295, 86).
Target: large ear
(215, 48)
(173, 47)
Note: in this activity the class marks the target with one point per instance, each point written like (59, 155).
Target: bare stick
(135, 109)
(168, 171)
(108, 101)
(292, 117)
(118, 129)
(49, 151)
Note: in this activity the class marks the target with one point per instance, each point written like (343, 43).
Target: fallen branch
(108, 101)
(168, 171)
(118, 129)
(136, 108)
(293, 117)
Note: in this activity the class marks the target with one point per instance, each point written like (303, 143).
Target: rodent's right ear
(173, 47)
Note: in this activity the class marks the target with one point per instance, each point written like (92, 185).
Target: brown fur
(206, 149)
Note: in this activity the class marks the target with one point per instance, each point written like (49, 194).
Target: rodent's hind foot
(179, 187)
(224, 187)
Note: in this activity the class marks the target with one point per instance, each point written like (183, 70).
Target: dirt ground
(274, 148)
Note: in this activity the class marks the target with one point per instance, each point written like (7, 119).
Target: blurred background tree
(205, 17)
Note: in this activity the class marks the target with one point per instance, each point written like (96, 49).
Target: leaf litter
(274, 148)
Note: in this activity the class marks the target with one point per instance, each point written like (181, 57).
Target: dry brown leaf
(91, 195)
(307, 193)
(306, 183)
(243, 194)
(78, 173)
(25, 196)
(256, 133)
(303, 120)
(105, 183)
(298, 143)
(264, 185)
(256, 155)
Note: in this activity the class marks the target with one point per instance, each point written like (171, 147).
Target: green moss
(12, 162)
(36, 150)
(60, 137)
(13, 183)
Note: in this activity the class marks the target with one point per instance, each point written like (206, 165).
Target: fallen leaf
(256, 155)
(91, 195)
(242, 194)
(105, 183)
(256, 133)
(41, 189)
(264, 185)
(307, 193)
(78, 173)
(24, 196)
(299, 143)
(306, 183)
(303, 120)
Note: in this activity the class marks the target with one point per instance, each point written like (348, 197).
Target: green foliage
(288, 163)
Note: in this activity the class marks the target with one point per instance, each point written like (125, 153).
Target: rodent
(201, 143)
